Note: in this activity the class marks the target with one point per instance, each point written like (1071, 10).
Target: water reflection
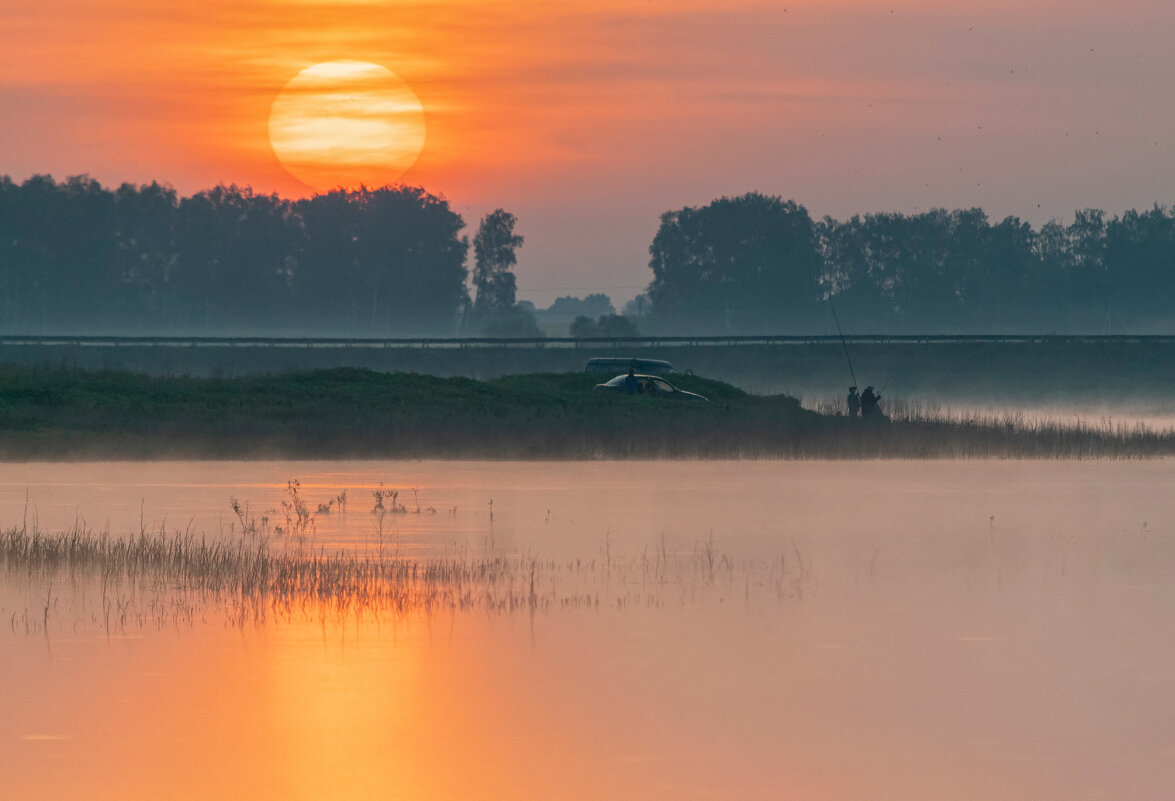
(965, 631)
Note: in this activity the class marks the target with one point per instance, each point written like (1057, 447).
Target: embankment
(345, 412)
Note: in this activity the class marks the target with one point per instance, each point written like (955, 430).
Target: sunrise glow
(589, 119)
(515, 400)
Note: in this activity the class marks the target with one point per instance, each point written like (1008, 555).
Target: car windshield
(646, 383)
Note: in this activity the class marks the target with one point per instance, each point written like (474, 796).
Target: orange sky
(588, 119)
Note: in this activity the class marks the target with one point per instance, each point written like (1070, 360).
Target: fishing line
(843, 344)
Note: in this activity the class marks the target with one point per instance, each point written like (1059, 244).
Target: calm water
(963, 630)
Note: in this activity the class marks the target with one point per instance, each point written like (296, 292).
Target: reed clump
(163, 579)
(926, 430)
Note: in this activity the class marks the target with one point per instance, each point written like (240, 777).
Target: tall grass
(928, 430)
(163, 579)
(906, 410)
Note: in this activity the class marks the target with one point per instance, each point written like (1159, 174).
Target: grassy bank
(345, 412)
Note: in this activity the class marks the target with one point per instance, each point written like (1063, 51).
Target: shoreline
(69, 415)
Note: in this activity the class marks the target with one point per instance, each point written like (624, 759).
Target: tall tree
(145, 219)
(237, 254)
(1139, 269)
(382, 261)
(851, 278)
(493, 249)
(747, 263)
(1091, 286)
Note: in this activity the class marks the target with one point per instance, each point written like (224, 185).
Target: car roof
(600, 363)
(623, 376)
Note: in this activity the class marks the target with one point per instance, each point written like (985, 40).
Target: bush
(518, 321)
(608, 325)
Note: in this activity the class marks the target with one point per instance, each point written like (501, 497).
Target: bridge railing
(562, 342)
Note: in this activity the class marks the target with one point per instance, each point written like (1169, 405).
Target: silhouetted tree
(1138, 275)
(76, 257)
(145, 220)
(863, 292)
(948, 271)
(493, 249)
(1089, 283)
(739, 264)
(638, 307)
(517, 321)
(61, 266)
(607, 325)
(593, 305)
(237, 254)
(382, 260)
(616, 325)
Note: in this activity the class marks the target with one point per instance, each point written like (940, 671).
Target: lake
(704, 630)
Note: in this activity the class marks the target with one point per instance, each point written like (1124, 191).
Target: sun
(346, 124)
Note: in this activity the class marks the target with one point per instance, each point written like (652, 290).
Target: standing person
(632, 384)
(869, 401)
(854, 402)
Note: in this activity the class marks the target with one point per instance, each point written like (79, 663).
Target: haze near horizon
(588, 120)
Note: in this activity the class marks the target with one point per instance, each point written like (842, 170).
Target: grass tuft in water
(161, 579)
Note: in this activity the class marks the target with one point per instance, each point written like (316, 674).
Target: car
(653, 386)
(606, 364)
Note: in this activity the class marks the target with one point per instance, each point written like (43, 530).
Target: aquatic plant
(300, 523)
(164, 579)
(387, 502)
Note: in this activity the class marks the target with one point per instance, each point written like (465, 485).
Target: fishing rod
(843, 344)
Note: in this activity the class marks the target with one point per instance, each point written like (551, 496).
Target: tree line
(76, 257)
(759, 264)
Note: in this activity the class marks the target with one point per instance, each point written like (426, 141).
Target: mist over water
(964, 630)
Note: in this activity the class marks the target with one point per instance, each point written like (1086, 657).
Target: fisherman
(854, 401)
(869, 401)
(632, 384)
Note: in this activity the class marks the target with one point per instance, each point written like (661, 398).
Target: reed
(927, 430)
(163, 579)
